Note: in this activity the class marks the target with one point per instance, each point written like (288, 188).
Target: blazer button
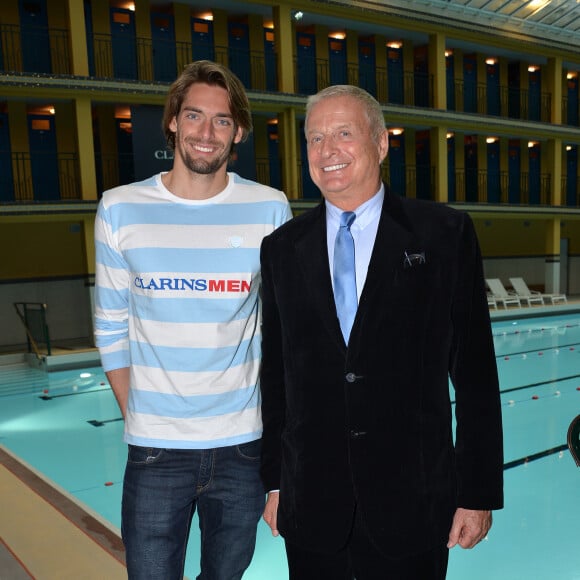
(350, 378)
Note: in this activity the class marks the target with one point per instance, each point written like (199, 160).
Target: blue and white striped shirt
(177, 301)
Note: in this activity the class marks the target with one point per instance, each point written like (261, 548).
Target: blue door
(6, 180)
(514, 90)
(35, 44)
(470, 83)
(450, 81)
(396, 161)
(535, 95)
(43, 157)
(572, 112)
(306, 63)
(125, 151)
(123, 43)
(451, 181)
(534, 186)
(493, 173)
(421, 77)
(244, 159)
(309, 190)
(423, 161)
(202, 46)
(493, 90)
(270, 60)
(367, 78)
(163, 39)
(89, 33)
(572, 176)
(337, 61)
(239, 51)
(471, 189)
(395, 75)
(274, 156)
(514, 171)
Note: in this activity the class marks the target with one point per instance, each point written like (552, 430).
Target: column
(437, 70)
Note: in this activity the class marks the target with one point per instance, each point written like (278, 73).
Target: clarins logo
(193, 284)
(163, 154)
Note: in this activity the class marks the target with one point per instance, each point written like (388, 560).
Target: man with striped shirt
(178, 329)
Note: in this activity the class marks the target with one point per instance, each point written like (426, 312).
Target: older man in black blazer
(365, 478)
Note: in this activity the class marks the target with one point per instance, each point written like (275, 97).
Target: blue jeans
(163, 488)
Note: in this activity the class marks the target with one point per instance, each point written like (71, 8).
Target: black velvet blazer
(371, 424)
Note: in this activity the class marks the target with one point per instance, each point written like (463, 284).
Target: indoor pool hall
(63, 460)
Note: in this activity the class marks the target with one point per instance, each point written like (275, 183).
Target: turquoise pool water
(66, 424)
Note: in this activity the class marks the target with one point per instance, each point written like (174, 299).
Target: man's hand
(271, 511)
(469, 527)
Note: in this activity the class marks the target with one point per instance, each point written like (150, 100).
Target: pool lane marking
(559, 347)
(97, 423)
(540, 384)
(534, 457)
(532, 385)
(50, 397)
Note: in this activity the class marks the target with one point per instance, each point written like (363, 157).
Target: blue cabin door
(535, 95)
(395, 75)
(423, 161)
(270, 60)
(123, 43)
(202, 46)
(493, 173)
(396, 161)
(471, 187)
(572, 109)
(89, 33)
(337, 61)
(274, 156)
(450, 81)
(470, 83)
(6, 180)
(244, 159)
(493, 90)
(309, 190)
(43, 157)
(572, 176)
(421, 77)
(514, 171)
(163, 40)
(514, 105)
(35, 43)
(239, 51)
(306, 63)
(451, 182)
(125, 151)
(534, 175)
(367, 78)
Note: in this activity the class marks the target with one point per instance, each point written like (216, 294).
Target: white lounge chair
(500, 294)
(524, 293)
(491, 301)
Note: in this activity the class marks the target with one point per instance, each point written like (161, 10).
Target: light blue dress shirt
(363, 230)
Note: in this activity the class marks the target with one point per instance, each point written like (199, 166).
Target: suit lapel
(312, 256)
(394, 237)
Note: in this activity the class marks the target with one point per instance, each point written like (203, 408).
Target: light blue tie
(344, 274)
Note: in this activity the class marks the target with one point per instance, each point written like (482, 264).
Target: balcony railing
(28, 179)
(40, 177)
(40, 50)
(47, 50)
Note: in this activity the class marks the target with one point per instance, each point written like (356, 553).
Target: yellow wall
(41, 249)
(526, 237)
(522, 237)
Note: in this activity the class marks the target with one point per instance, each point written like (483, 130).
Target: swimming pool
(67, 425)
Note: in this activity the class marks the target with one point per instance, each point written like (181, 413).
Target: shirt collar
(365, 213)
